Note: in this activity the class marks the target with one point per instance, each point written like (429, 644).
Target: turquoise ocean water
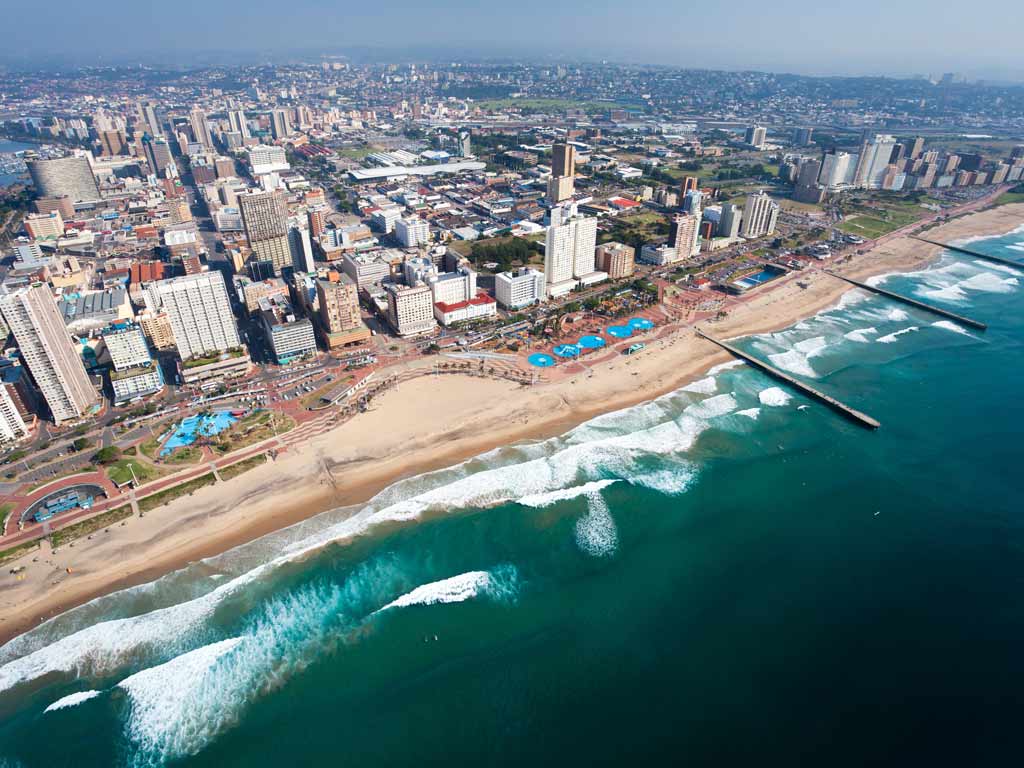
(728, 574)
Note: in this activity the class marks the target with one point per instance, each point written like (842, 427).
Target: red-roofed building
(482, 306)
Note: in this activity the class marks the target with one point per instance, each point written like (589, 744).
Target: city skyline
(916, 38)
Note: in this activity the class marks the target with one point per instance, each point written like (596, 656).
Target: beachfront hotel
(48, 352)
(199, 312)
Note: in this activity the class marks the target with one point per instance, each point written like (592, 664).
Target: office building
(301, 248)
(692, 202)
(410, 309)
(265, 218)
(339, 319)
(367, 270)
(802, 136)
(838, 171)
(519, 288)
(238, 123)
(200, 127)
(729, 221)
(760, 215)
(560, 189)
(290, 337)
(688, 184)
(265, 158)
(158, 156)
(616, 259)
(69, 176)
(280, 125)
(199, 312)
(756, 136)
(48, 352)
(563, 172)
(684, 235)
(807, 189)
(412, 232)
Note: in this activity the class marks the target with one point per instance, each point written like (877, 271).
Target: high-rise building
(684, 235)
(301, 249)
(465, 144)
(12, 424)
(838, 170)
(874, 160)
(802, 136)
(46, 347)
(410, 308)
(134, 373)
(60, 176)
(688, 184)
(569, 253)
(692, 202)
(729, 221)
(519, 288)
(561, 185)
(265, 218)
(915, 147)
(616, 259)
(339, 320)
(199, 312)
(200, 127)
(238, 122)
(756, 136)
(760, 215)
(280, 125)
(563, 160)
(807, 189)
(44, 226)
(158, 155)
(412, 232)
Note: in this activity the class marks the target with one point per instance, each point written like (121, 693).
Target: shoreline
(399, 437)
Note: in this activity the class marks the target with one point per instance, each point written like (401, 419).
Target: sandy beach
(428, 423)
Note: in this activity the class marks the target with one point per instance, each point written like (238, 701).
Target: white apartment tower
(12, 426)
(569, 253)
(48, 352)
(200, 313)
(759, 216)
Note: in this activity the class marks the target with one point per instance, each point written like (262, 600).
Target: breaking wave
(774, 397)
(596, 534)
(891, 337)
(861, 334)
(457, 589)
(72, 700)
(552, 497)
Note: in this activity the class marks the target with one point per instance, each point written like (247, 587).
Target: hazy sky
(823, 37)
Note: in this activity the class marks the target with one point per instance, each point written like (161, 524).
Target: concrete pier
(976, 254)
(912, 302)
(853, 415)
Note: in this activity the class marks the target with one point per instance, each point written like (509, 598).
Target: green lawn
(163, 497)
(120, 472)
(242, 466)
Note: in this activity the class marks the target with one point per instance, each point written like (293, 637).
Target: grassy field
(163, 497)
(120, 472)
(93, 524)
(355, 153)
(1011, 197)
(880, 217)
(13, 553)
(254, 428)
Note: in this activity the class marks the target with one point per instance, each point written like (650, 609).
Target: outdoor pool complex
(541, 360)
(194, 426)
(753, 280)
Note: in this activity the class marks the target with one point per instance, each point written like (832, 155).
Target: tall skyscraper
(756, 136)
(280, 125)
(569, 253)
(200, 127)
(158, 155)
(340, 321)
(265, 218)
(48, 352)
(760, 215)
(684, 235)
(561, 185)
(688, 184)
(199, 312)
(12, 425)
(238, 123)
(71, 176)
(874, 159)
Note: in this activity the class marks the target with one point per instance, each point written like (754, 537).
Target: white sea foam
(990, 283)
(719, 405)
(896, 315)
(811, 347)
(750, 413)
(450, 590)
(774, 397)
(861, 334)
(802, 407)
(999, 267)
(948, 293)
(949, 325)
(668, 481)
(717, 369)
(890, 338)
(563, 494)
(72, 700)
(1016, 246)
(705, 386)
(793, 361)
(851, 298)
(596, 534)
(174, 706)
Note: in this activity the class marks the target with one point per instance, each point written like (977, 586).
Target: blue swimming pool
(641, 324)
(566, 350)
(189, 429)
(753, 280)
(591, 342)
(541, 360)
(620, 331)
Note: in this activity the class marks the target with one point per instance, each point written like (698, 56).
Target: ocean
(728, 574)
